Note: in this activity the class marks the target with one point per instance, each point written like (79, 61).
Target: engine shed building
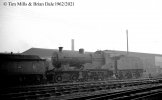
(152, 63)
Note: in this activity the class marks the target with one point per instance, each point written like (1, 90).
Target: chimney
(81, 51)
(72, 44)
(60, 49)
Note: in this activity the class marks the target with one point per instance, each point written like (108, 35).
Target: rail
(80, 90)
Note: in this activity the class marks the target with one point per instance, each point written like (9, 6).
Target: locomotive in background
(68, 67)
(96, 66)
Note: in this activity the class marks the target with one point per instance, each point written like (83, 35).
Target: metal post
(72, 44)
(127, 41)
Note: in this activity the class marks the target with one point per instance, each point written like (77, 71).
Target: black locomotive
(80, 66)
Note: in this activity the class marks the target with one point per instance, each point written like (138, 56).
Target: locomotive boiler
(72, 59)
(79, 66)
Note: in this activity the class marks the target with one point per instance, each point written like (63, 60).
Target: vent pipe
(127, 42)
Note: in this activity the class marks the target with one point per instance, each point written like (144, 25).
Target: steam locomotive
(80, 66)
(69, 66)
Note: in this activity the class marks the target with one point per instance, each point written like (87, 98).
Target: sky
(94, 24)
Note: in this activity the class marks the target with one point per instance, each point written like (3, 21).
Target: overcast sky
(94, 24)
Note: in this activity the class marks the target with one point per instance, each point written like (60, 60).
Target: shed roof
(131, 53)
(45, 53)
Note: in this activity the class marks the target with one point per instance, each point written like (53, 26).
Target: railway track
(134, 94)
(68, 90)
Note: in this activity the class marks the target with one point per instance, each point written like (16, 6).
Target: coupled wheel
(58, 78)
(137, 75)
(74, 77)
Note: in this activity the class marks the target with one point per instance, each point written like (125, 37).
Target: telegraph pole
(127, 41)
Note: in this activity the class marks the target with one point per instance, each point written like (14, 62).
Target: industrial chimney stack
(72, 44)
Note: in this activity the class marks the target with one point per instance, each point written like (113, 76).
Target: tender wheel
(128, 75)
(120, 75)
(137, 74)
